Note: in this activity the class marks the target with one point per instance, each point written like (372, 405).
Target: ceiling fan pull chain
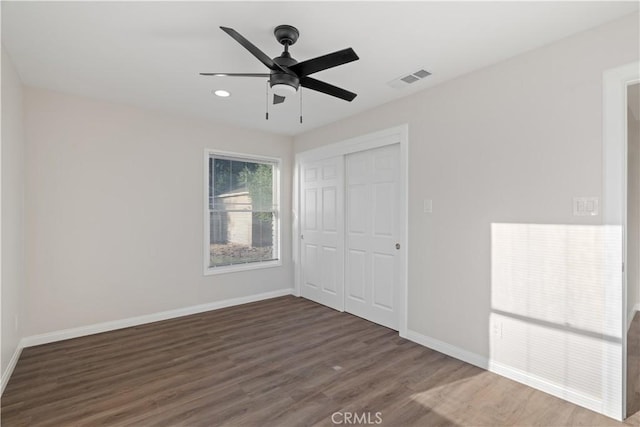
(300, 104)
(267, 102)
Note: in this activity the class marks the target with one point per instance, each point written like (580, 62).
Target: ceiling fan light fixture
(282, 89)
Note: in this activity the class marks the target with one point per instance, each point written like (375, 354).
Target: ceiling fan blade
(262, 57)
(324, 62)
(277, 99)
(236, 74)
(317, 85)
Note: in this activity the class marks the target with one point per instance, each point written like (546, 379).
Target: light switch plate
(585, 206)
(428, 206)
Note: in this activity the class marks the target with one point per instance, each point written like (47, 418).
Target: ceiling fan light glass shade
(283, 89)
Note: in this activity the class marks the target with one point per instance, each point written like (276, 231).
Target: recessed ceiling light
(221, 93)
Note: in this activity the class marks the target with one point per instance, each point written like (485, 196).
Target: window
(242, 221)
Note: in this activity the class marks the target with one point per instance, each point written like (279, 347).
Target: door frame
(614, 208)
(390, 136)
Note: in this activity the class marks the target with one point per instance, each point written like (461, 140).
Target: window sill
(211, 271)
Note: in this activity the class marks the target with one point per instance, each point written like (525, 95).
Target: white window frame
(277, 162)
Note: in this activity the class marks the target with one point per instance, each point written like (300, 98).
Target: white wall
(509, 144)
(13, 177)
(633, 214)
(115, 211)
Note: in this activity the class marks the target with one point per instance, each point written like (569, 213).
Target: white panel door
(372, 231)
(322, 225)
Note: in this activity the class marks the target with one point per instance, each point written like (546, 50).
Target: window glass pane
(221, 176)
(242, 212)
(210, 183)
(249, 238)
(259, 181)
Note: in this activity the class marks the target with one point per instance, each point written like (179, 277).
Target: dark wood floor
(281, 362)
(633, 368)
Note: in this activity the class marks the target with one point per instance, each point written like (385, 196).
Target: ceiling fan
(285, 73)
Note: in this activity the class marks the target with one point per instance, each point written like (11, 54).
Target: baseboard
(448, 349)
(541, 384)
(149, 318)
(12, 365)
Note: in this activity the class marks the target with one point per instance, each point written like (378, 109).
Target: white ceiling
(149, 54)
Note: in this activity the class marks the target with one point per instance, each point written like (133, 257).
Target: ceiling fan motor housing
(279, 77)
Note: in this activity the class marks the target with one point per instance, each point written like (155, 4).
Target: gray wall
(12, 231)
(509, 144)
(633, 213)
(115, 211)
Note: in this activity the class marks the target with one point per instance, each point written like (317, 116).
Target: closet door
(322, 225)
(372, 234)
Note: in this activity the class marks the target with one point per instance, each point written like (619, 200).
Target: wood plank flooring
(281, 362)
(633, 368)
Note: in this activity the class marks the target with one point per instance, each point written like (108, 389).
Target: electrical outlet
(496, 328)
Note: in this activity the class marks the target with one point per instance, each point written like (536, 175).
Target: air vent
(410, 79)
(422, 74)
(405, 81)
